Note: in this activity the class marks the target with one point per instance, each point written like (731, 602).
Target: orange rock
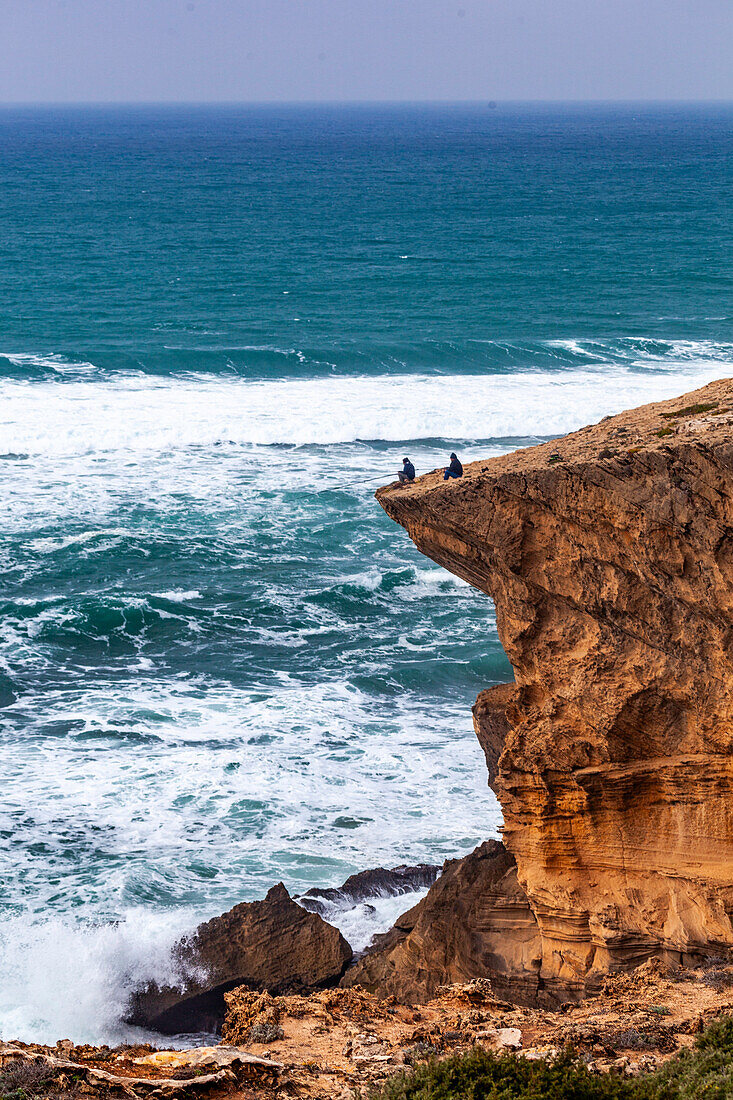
(611, 569)
(475, 921)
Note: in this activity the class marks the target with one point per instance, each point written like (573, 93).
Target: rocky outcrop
(609, 557)
(475, 921)
(378, 882)
(272, 945)
(26, 1070)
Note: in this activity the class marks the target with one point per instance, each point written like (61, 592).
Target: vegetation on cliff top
(706, 1071)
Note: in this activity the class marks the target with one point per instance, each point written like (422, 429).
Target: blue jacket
(409, 469)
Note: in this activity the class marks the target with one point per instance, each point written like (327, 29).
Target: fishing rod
(357, 481)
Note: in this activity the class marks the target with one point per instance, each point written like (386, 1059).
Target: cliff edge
(609, 557)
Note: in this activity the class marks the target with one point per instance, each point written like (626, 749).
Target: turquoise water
(220, 329)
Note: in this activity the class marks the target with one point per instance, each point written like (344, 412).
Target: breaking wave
(141, 414)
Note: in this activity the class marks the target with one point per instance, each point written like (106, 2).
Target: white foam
(50, 545)
(176, 595)
(56, 363)
(360, 923)
(648, 352)
(140, 413)
(67, 979)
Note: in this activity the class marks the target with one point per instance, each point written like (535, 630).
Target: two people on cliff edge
(407, 473)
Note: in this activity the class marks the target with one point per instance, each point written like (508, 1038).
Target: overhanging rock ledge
(609, 557)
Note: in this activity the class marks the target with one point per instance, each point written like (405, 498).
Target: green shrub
(704, 1073)
(690, 410)
(267, 1031)
(480, 1075)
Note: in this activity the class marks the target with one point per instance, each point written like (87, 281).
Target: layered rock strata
(272, 944)
(475, 921)
(609, 557)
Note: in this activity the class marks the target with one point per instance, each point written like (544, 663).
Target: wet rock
(270, 945)
(376, 883)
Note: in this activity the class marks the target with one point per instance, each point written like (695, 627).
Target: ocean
(221, 328)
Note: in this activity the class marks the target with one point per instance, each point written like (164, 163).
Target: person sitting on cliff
(407, 473)
(455, 469)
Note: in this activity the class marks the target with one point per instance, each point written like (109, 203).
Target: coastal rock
(609, 557)
(219, 1056)
(272, 945)
(474, 922)
(379, 882)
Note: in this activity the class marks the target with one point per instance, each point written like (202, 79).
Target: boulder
(379, 882)
(272, 945)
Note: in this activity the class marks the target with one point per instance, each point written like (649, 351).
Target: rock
(272, 945)
(475, 922)
(612, 752)
(378, 882)
(537, 1054)
(251, 1017)
(503, 1038)
(91, 1079)
(206, 1056)
(508, 1038)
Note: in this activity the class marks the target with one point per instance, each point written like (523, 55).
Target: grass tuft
(690, 410)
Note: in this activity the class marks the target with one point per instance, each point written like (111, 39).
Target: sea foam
(64, 978)
(147, 414)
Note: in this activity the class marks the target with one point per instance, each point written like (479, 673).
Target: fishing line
(356, 481)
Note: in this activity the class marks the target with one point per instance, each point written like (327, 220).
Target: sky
(336, 50)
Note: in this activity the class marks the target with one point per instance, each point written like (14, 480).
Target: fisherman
(407, 473)
(455, 469)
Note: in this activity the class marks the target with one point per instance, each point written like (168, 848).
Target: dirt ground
(336, 1044)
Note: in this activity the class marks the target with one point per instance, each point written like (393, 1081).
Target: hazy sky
(153, 50)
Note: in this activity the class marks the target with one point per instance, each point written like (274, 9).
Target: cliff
(609, 557)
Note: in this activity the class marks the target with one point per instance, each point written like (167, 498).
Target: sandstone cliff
(609, 557)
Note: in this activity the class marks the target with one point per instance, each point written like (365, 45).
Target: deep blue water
(220, 329)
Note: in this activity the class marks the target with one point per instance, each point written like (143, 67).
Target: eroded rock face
(474, 922)
(609, 557)
(272, 945)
